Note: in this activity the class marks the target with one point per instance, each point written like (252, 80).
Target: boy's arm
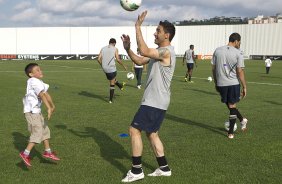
(49, 98)
(44, 98)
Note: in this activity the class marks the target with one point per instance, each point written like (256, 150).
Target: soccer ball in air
(130, 5)
(209, 79)
(130, 76)
(227, 124)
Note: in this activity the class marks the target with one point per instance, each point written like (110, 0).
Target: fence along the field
(260, 39)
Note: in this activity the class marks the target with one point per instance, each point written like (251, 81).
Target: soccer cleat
(244, 124)
(230, 136)
(130, 177)
(191, 81)
(26, 159)
(139, 86)
(159, 172)
(110, 102)
(185, 79)
(51, 155)
(123, 85)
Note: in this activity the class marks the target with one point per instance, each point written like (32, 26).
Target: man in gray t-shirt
(106, 59)
(189, 57)
(228, 72)
(149, 117)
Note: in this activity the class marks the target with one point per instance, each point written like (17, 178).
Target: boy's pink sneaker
(51, 155)
(26, 159)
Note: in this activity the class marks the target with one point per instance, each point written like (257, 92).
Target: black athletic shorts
(111, 76)
(148, 119)
(229, 94)
(190, 66)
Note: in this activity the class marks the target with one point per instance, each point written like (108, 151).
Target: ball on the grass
(227, 124)
(130, 76)
(209, 79)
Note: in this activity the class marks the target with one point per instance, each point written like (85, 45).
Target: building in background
(260, 19)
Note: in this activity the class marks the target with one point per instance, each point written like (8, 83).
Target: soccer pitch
(85, 128)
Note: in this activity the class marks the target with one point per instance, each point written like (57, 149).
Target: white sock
(26, 152)
(48, 150)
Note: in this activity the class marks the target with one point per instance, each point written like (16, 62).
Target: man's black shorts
(229, 94)
(190, 66)
(111, 76)
(148, 119)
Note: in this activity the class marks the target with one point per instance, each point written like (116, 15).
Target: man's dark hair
(234, 36)
(168, 28)
(191, 46)
(112, 40)
(29, 68)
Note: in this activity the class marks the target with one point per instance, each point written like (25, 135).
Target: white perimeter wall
(257, 39)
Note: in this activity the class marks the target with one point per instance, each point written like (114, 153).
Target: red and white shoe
(26, 159)
(51, 155)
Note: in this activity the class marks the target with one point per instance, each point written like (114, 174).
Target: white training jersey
(32, 102)
(268, 62)
(189, 56)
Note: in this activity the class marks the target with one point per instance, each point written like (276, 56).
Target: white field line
(92, 69)
(259, 83)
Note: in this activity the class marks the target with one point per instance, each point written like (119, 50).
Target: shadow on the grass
(130, 85)
(273, 103)
(217, 130)
(87, 94)
(204, 92)
(110, 150)
(270, 76)
(20, 143)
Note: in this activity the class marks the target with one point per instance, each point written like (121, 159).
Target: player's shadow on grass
(270, 76)
(217, 130)
(20, 143)
(110, 150)
(134, 85)
(91, 95)
(204, 92)
(273, 103)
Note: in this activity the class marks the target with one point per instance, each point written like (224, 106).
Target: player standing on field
(228, 72)
(138, 69)
(268, 64)
(161, 64)
(106, 58)
(189, 57)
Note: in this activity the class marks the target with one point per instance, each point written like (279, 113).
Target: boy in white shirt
(36, 92)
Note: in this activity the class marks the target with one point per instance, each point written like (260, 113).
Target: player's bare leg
(158, 149)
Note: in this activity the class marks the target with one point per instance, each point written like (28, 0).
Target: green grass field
(85, 128)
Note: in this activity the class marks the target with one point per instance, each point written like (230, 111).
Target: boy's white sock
(48, 150)
(26, 152)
